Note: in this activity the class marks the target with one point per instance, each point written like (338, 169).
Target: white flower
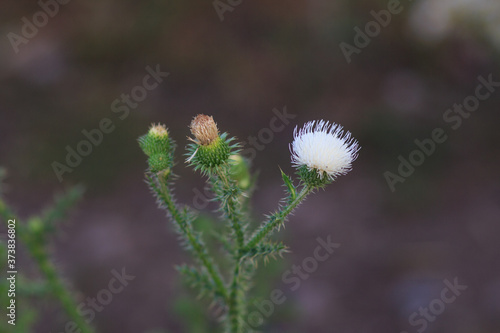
(324, 148)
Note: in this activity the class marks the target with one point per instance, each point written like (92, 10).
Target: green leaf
(288, 183)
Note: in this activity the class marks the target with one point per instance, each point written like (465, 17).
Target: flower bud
(212, 155)
(158, 146)
(159, 162)
(210, 149)
(156, 141)
(240, 171)
(204, 129)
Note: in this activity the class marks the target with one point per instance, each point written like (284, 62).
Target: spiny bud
(210, 149)
(204, 129)
(156, 141)
(212, 155)
(159, 162)
(158, 146)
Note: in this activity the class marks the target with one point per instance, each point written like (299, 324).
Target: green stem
(233, 304)
(230, 207)
(38, 252)
(195, 243)
(57, 287)
(276, 219)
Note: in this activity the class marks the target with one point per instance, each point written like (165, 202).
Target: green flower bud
(212, 155)
(210, 149)
(159, 162)
(240, 172)
(156, 141)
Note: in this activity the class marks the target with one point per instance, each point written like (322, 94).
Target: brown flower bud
(204, 129)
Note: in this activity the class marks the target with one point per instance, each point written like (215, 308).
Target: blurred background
(247, 63)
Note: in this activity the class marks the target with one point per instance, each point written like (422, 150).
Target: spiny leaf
(288, 183)
(267, 250)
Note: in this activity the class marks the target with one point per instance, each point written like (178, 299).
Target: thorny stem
(57, 287)
(231, 209)
(199, 248)
(276, 219)
(38, 251)
(240, 245)
(233, 304)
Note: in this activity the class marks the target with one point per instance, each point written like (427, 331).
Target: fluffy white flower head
(324, 147)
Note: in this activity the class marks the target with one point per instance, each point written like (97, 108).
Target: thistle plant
(35, 235)
(320, 152)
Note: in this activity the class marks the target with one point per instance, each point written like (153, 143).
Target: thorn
(192, 156)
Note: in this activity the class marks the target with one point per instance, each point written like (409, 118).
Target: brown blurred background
(397, 247)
